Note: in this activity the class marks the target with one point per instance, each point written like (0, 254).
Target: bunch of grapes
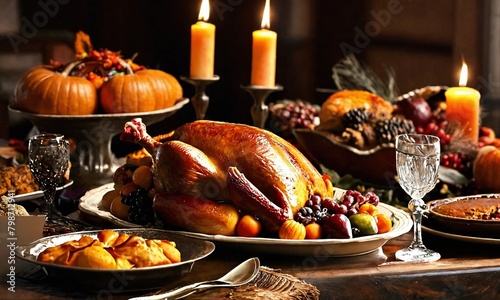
(140, 210)
(313, 211)
(316, 209)
(287, 115)
(351, 202)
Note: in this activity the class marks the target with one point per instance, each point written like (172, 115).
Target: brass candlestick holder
(260, 111)
(200, 99)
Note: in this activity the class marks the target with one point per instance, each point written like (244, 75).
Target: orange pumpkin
(486, 168)
(144, 90)
(41, 90)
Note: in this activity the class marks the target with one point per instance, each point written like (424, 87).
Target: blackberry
(355, 118)
(140, 207)
(387, 130)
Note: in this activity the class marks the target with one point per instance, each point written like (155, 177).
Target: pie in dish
(112, 251)
(474, 209)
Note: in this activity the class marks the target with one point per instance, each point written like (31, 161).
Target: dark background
(159, 31)
(419, 41)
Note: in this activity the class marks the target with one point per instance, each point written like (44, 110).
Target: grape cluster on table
(287, 115)
(316, 209)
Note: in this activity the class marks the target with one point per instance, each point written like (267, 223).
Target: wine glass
(417, 164)
(48, 156)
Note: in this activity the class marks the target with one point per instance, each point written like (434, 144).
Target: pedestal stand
(93, 162)
(200, 100)
(260, 111)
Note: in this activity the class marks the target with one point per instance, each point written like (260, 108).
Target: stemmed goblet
(417, 165)
(48, 156)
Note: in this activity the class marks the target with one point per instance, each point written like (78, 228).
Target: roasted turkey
(251, 168)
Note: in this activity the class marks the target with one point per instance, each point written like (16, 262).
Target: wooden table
(466, 271)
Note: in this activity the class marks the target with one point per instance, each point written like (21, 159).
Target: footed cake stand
(93, 162)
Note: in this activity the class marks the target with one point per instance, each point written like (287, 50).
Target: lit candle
(202, 45)
(462, 107)
(264, 52)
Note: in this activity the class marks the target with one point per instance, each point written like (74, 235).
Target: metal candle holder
(260, 111)
(200, 100)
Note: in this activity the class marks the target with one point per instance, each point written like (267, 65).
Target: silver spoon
(240, 275)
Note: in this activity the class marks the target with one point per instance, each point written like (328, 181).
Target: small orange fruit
(128, 188)
(368, 208)
(146, 161)
(152, 193)
(248, 226)
(313, 231)
(143, 177)
(118, 209)
(108, 198)
(384, 223)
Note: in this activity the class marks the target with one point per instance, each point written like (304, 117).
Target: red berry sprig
(437, 129)
(457, 161)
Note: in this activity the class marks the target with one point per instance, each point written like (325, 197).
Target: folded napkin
(269, 284)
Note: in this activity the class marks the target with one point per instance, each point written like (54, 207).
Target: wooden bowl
(463, 225)
(376, 166)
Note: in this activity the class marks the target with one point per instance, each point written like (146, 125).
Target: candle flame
(266, 16)
(463, 75)
(204, 11)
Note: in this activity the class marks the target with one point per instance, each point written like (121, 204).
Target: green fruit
(366, 223)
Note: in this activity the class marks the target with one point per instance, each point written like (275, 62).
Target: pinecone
(355, 118)
(387, 130)
(353, 138)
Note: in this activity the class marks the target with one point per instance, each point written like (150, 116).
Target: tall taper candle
(202, 45)
(264, 53)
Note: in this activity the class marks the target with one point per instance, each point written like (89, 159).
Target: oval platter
(90, 203)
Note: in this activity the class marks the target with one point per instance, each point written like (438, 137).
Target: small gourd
(292, 230)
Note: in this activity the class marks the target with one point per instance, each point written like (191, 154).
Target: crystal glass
(417, 164)
(48, 156)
